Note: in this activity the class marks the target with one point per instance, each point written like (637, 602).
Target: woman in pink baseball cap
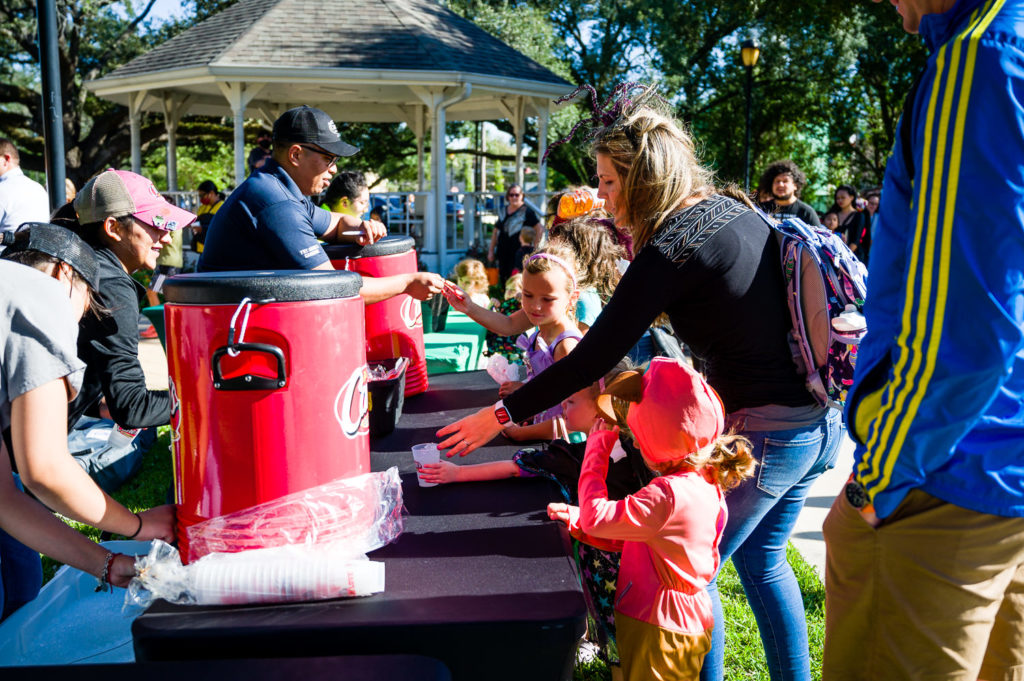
(127, 222)
(669, 531)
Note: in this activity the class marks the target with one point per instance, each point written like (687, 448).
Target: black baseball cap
(311, 126)
(59, 242)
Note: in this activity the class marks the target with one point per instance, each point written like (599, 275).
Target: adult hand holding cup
(425, 454)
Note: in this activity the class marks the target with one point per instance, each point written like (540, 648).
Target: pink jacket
(668, 533)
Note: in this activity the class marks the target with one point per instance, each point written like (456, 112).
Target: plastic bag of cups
(380, 372)
(363, 512)
(501, 370)
(278, 575)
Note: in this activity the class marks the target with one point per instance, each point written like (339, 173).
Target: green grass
(744, 655)
(147, 489)
(595, 670)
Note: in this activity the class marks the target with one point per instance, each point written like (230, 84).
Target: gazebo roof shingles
(400, 35)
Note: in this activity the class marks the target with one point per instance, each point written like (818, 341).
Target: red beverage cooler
(394, 327)
(268, 387)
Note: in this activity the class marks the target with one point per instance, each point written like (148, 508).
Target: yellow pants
(650, 652)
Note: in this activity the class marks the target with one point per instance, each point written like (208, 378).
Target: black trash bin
(435, 313)
(386, 396)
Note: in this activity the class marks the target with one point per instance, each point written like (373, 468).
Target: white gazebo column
(432, 100)
(135, 102)
(518, 124)
(437, 243)
(419, 128)
(542, 146)
(239, 95)
(175, 106)
(483, 157)
(440, 173)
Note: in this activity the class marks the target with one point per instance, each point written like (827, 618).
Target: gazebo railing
(470, 216)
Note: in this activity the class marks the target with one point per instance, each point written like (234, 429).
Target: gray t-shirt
(38, 334)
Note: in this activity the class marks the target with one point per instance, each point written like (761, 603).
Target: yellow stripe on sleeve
(942, 291)
(927, 317)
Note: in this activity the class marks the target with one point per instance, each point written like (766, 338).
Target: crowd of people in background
(851, 216)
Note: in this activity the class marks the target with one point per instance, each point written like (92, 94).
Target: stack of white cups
(276, 575)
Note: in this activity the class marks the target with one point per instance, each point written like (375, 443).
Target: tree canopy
(827, 89)
(829, 72)
(94, 37)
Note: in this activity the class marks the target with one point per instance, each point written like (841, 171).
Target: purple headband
(558, 261)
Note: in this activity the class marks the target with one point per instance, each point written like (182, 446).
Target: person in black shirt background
(854, 225)
(783, 181)
(723, 292)
(505, 237)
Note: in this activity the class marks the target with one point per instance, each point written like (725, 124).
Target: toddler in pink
(668, 531)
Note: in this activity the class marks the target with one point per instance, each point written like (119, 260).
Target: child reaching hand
(579, 413)
(550, 291)
(548, 300)
(668, 531)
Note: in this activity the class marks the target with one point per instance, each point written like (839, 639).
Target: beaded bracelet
(104, 579)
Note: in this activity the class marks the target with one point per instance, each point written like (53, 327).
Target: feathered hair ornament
(606, 114)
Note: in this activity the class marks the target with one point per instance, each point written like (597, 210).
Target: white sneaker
(587, 652)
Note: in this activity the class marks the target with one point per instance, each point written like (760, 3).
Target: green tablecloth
(457, 348)
(156, 316)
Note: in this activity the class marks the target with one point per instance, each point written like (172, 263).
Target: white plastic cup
(424, 454)
(121, 437)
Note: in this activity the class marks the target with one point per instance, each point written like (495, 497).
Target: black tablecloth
(350, 668)
(480, 579)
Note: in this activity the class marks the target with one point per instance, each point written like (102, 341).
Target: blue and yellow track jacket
(938, 397)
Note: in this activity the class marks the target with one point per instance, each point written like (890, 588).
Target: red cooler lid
(394, 244)
(227, 288)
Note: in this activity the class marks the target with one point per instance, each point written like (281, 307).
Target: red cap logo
(175, 436)
(411, 312)
(352, 405)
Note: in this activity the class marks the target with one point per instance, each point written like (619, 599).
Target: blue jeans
(21, 571)
(762, 513)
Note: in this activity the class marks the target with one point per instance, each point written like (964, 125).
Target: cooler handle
(248, 381)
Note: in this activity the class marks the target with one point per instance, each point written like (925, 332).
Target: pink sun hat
(116, 193)
(674, 412)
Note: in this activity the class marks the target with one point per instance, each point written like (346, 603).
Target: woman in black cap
(46, 278)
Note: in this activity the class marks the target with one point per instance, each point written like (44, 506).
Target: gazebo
(409, 61)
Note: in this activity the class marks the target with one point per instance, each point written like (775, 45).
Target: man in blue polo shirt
(269, 222)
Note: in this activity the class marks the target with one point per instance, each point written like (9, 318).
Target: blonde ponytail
(731, 460)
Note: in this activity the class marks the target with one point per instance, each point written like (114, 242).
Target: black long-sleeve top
(726, 302)
(110, 349)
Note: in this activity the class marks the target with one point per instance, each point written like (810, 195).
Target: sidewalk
(807, 537)
(154, 363)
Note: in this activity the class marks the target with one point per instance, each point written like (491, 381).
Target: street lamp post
(53, 116)
(749, 52)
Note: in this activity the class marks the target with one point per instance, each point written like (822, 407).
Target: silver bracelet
(104, 579)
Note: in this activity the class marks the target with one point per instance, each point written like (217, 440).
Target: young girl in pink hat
(668, 531)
